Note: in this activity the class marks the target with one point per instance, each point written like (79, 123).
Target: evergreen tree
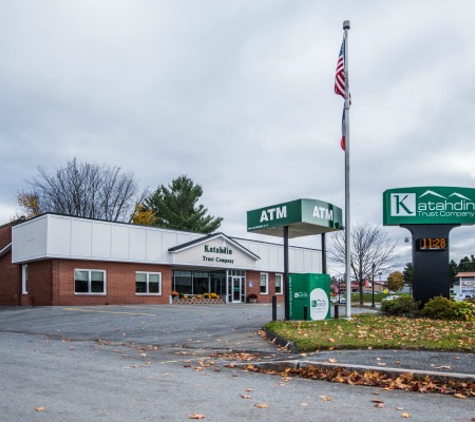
(407, 273)
(175, 207)
(467, 264)
(453, 270)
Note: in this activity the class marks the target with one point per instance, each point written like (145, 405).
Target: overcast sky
(238, 95)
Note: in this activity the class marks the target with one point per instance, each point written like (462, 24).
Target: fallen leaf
(197, 416)
(399, 408)
(244, 396)
(460, 396)
(325, 398)
(261, 405)
(405, 415)
(332, 360)
(40, 409)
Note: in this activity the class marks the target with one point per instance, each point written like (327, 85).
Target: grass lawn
(377, 332)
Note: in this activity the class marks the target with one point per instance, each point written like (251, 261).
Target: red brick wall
(255, 276)
(5, 235)
(51, 283)
(10, 284)
(120, 282)
(39, 284)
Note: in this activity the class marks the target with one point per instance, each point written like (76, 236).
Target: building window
(24, 279)
(148, 283)
(278, 284)
(92, 282)
(264, 283)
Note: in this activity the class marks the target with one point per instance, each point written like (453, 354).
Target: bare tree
(83, 190)
(371, 252)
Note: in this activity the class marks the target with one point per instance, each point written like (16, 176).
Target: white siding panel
(274, 253)
(70, 237)
(138, 243)
(29, 240)
(120, 242)
(59, 235)
(81, 235)
(101, 240)
(154, 246)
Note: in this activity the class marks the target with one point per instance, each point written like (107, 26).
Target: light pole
(372, 287)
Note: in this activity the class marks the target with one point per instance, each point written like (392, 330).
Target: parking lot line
(107, 312)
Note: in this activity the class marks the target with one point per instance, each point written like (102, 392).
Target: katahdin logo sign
(429, 205)
(303, 216)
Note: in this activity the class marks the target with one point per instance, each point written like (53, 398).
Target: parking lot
(148, 363)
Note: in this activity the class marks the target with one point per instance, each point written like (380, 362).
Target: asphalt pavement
(174, 363)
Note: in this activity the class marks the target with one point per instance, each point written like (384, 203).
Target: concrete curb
(280, 341)
(281, 366)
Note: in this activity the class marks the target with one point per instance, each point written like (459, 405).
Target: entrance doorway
(236, 286)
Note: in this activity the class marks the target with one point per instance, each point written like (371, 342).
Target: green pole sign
(429, 205)
(302, 216)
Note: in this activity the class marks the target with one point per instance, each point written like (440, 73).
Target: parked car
(390, 297)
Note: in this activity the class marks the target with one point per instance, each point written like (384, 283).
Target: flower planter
(197, 301)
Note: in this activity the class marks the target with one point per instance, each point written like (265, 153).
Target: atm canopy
(302, 216)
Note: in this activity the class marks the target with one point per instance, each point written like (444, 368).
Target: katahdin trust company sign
(429, 205)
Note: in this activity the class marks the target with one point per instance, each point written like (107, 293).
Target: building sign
(217, 254)
(429, 205)
(303, 216)
(215, 250)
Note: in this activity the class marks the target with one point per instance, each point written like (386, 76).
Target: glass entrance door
(236, 285)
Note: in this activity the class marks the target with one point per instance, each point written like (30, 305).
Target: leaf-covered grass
(377, 332)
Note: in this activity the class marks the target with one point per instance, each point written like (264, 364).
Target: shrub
(404, 305)
(438, 308)
(443, 308)
(464, 311)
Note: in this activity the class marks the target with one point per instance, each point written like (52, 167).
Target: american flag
(340, 72)
(343, 131)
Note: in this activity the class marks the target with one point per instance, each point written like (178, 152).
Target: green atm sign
(302, 216)
(429, 205)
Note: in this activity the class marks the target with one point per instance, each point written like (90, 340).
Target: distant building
(465, 283)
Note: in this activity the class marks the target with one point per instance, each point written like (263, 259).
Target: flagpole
(346, 27)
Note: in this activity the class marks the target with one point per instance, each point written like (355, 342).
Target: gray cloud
(239, 96)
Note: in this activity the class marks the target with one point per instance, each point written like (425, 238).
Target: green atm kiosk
(309, 293)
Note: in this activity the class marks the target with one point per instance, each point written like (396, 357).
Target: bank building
(60, 260)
